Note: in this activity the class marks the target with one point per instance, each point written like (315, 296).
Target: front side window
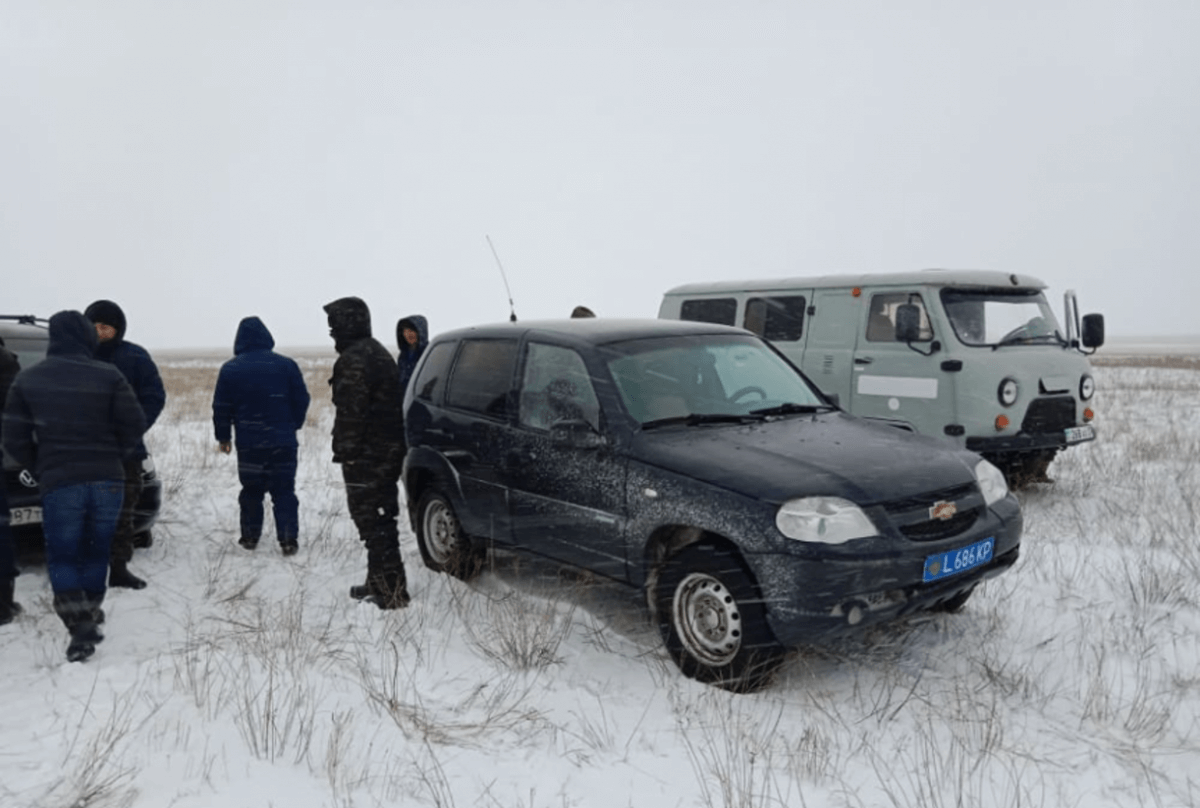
(717, 310)
(881, 321)
(556, 387)
(432, 378)
(1000, 316)
(705, 375)
(779, 319)
(482, 377)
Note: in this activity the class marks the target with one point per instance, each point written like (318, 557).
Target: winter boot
(9, 608)
(389, 590)
(120, 576)
(74, 608)
(289, 548)
(248, 542)
(361, 591)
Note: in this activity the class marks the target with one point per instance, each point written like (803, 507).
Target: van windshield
(707, 378)
(995, 317)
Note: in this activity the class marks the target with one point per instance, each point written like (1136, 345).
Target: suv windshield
(994, 317)
(707, 378)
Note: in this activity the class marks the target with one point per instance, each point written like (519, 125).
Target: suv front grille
(911, 514)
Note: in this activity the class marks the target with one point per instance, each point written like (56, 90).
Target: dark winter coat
(134, 363)
(368, 423)
(70, 418)
(260, 396)
(9, 367)
(406, 362)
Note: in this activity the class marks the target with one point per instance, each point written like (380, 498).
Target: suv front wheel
(712, 620)
(443, 546)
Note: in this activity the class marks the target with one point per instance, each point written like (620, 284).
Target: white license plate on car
(25, 516)
(952, 562)
(1078, 434)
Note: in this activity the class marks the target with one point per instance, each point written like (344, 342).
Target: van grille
(1049, 415)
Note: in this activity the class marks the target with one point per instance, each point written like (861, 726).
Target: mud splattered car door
(566, 481)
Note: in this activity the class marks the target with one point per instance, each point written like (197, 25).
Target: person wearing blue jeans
(259, 403)
(73, 421)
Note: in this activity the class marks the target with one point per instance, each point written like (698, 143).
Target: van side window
(432, 378)
(881, 321)
(482, 377)
(719, 310)
(556, 387)
(779, 319)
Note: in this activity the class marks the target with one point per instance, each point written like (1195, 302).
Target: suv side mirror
(576, 434)
(908, 323)
(1093, 330)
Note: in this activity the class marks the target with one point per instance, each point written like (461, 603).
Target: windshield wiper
(791, 408)
(698, 419)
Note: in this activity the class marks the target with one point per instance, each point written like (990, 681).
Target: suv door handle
(863, 360)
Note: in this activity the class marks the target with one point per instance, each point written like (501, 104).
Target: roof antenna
(512, 316)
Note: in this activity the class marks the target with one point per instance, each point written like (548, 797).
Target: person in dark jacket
(9, 608)
(73, 421)
(412, 335)
(368, 442)
(261, 400)
(142, 374)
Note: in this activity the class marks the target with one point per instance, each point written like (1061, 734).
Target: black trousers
(373, 498)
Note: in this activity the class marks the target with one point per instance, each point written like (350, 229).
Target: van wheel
(712, 619)
(443, 546)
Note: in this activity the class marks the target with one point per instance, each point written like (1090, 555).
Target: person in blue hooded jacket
(259, 404)
(412, 335)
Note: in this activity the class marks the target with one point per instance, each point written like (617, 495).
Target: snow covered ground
(248, 679)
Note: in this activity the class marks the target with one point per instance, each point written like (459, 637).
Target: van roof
(925, 277)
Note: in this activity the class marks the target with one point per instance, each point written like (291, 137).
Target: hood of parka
(109, 313)
(417, 323)
(349, 321)
(71, 334)
(252, 335)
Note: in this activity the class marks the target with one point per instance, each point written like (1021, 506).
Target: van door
(896, 381)
(829, 349)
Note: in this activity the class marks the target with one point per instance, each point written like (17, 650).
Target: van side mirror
(908, 323)
(1093, 330)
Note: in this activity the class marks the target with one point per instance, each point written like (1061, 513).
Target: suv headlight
(991, 482)
(823, 520)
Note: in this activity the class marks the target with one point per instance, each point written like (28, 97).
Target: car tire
(444, 547)
(712, 621)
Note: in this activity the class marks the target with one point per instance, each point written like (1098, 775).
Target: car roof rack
(25, 319)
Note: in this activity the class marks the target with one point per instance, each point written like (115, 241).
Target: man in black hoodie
(140, 371)
(368, 442)
(72, 420)
(9, 608)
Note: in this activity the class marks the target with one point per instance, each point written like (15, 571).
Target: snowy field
(248, 679)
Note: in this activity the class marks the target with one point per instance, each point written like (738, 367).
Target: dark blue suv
(28, 338)
(696, 462)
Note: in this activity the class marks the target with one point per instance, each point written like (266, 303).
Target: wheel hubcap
(440, 531)
(707, 619)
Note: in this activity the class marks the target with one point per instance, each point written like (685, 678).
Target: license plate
(952, 562)
(25, 516)
(1078, 434)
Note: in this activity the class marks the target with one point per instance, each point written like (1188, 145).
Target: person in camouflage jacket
(368, 443)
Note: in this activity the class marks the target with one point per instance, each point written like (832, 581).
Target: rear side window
(719, 310)
(482, 377)
(779, 319)
(432, 378)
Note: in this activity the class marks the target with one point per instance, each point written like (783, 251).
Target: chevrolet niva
(28, 338)
(696, 462)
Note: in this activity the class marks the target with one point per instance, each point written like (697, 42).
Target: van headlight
(1087, 387)
(991, 481)
(823, 520)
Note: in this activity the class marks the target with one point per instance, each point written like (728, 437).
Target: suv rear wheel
(712, 620)
(443, 546)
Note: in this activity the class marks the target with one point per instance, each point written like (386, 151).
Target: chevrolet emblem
(942, 510)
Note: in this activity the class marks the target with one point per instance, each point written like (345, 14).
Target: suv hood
(828, 454)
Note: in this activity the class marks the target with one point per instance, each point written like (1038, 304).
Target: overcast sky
(200, 162)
